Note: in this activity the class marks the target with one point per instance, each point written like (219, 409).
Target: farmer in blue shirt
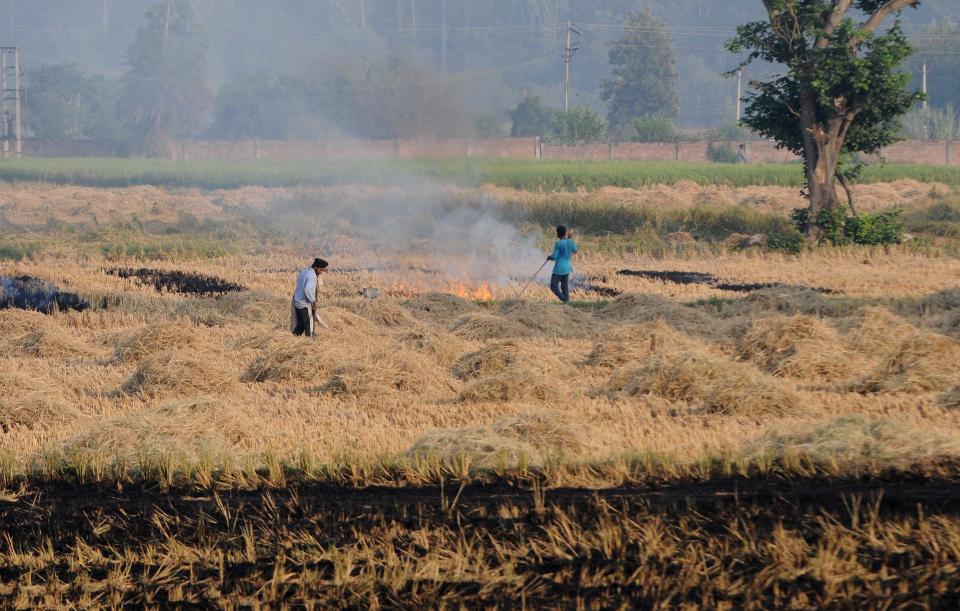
(562, 252)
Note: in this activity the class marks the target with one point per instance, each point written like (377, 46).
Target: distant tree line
(396, 92)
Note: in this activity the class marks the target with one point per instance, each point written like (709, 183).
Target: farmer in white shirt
(305, 298)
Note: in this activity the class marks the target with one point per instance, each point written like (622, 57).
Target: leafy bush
(785, 241)
(873, 229)
(651, 128)
(869, 228)
(721, 153)
(18, 252)
(531, 118)
(580, 125)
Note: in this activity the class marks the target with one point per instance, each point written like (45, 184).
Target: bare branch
(881, 14)
(840, 8)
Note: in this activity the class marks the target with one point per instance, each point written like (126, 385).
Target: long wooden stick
(532, 278)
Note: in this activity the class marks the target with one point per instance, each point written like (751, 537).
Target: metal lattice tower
(11, 133)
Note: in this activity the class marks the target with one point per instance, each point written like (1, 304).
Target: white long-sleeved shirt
(306, 291)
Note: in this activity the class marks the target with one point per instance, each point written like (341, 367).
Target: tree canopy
(164, 91)
(644, 80)
(840, 91)
(64, 102)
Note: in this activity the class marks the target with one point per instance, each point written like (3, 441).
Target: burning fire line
(473, 292)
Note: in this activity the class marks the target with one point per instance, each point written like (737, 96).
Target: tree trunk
(821, 145)
(822, 186)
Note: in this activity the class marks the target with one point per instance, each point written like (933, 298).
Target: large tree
(644, 79)
(840, 91)
(63, 102)
(164, 92)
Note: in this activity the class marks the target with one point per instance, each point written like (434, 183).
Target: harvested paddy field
(793, 442)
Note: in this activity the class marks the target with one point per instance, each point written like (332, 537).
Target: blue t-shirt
(562, 252)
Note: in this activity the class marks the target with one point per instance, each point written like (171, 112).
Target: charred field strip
(29, 293)
(176, 281)
(735, 542)
(711, 280)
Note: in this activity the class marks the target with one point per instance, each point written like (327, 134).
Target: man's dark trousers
(303, 322)
(560, 286)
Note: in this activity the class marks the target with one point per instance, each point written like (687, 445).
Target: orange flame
(474, 293)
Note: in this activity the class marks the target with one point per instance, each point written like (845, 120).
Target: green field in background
(535, 175)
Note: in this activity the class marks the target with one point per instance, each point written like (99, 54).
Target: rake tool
(532, 278)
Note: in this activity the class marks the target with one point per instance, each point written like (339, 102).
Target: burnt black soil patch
(711, 280)
(589, 284)
(177, 281)
(29, 293)
(248, 537)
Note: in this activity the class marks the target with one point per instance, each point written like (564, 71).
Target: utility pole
(413, 17)
(569, 49)
(166, 23)
(105, 16)
(739, 92)
(12, 133)
(443, 36)
(926, 118)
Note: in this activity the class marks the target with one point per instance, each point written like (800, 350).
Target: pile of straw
(255, 306)
(178, 431)
(638, 308)
(379, 311)
(859, 439)
(388, 373)
(47, 340)
(527, 439)
(440, 308)
(287, 357)
(549, 319)
(176, 373)
(514, 384)
(719, 385)
(633, 343)
(482, 327)
(877, 330)
(443, 348)
(789, 300)
(799, 346)
(923, 362)
(155, 338)
(32, 403)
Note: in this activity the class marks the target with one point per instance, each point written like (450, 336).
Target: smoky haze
(481, 57)
(462, 236)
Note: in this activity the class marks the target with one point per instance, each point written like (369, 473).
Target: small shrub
(650, 128)
(18, 252)
(869, 228)
(788, 241)
(721, 153)
(877, 228)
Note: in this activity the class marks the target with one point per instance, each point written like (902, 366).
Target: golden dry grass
(644, 373)
(923, 362)
(799, 347)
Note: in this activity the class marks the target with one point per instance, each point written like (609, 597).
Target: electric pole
(443, 36)
(926, 118)
(569, 49)
(413, 17)
(12, 133)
